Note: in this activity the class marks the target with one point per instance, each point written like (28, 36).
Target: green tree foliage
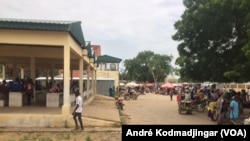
(214, 40)
(148, 67)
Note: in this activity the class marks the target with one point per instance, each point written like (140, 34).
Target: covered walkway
(31, 48)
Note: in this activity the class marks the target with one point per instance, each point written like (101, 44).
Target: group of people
(131, 90)
(230, 102)
(221, 103)
(26, 86)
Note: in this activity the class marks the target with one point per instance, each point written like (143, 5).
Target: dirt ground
(147, 109)
(62, 136)
(66, 134)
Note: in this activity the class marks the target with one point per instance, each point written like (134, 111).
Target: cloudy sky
(122, 28)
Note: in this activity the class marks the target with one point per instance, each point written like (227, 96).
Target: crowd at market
(221, 103)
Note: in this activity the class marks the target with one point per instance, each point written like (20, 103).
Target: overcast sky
(122, 28)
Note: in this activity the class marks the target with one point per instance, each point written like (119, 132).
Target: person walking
(248, 94)
(77, 113)
(4, 90)
(171, 93)
(234, 108)
(110, 91)
(221, 109)
(211, 109)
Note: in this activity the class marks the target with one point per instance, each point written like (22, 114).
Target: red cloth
(54, 89)
(178, 98)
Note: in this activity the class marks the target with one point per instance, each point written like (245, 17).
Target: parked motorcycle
(133, 96)
(118, 102)
(199, 105)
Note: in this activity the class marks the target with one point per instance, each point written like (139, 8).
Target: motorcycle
(185, 106)
(128, 96)
(199, 105)
(118, 102)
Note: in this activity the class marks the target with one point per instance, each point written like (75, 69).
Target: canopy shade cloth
(167, 85)
(149, 84)
(132, 84)
(121, 84)
(177, 84)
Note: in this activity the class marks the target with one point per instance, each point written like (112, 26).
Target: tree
(122, 74)
(144, 59)
(159, 66)
(212, 35)
(130, 69)
(148, 67)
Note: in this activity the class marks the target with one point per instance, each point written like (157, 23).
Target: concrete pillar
(47, 78)
(88, 82)
(22, 72)
(92, 81)
(33, 74)
(66, 84)
(32, 68)
(52, 74)
(14, 68)
(71, 80)
(81, 75)
(3, 71)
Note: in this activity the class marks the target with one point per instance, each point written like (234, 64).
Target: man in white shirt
(187, 96)
(77, 113)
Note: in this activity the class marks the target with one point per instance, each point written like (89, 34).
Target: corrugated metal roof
(108, 59)
(88, 47)
(73, 27)
(91, 53)
(94, 57)
(35, 21)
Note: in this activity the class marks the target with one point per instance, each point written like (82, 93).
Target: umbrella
(149, 84)
(167, 85)
(177, 84)
(121, 84)
(131, 84)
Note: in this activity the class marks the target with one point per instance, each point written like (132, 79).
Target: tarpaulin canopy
(167, 85)
(121, 84)
(132, 84)
(149, 84)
